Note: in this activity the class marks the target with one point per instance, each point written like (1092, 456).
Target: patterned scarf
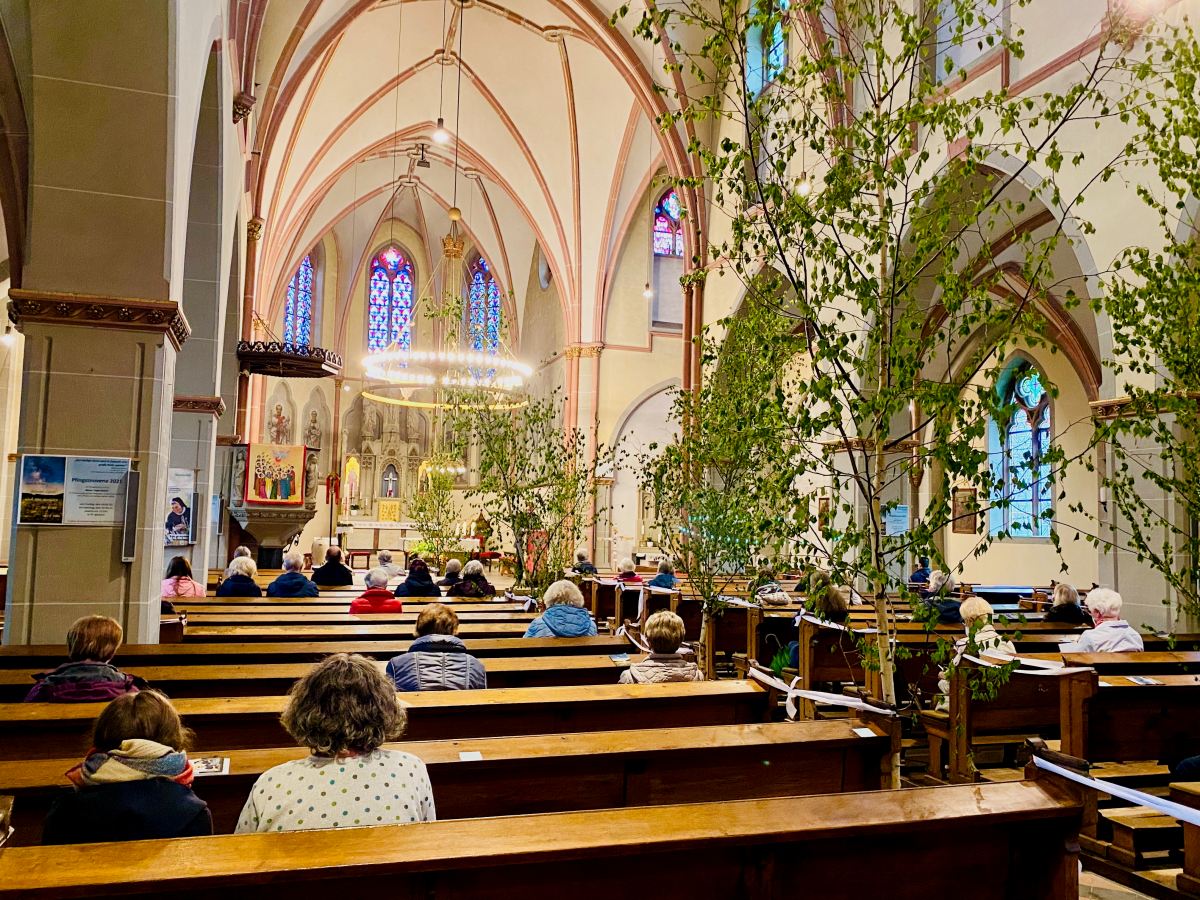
(135, 760)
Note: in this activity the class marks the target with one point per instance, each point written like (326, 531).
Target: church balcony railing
(284, 359)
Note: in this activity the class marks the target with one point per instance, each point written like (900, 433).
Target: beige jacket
(659, 668)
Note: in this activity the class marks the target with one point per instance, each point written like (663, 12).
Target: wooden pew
(47, 656)
(242, 634)
(49, 730)
(887, 843)
(270, 679)
(1027, 704)
(586, 771)
(199, 618)
(1188, 881)
(1179, 662)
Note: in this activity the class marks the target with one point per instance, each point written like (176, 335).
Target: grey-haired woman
(343, 711)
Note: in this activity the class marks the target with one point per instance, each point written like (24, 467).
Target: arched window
(390, 301)
(766, 50)
(668, 232)
(483, 306)
(298, 310)
(1017, 449)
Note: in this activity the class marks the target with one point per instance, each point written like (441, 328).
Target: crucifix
(389, 483)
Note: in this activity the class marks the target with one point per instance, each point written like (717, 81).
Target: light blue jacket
(562, 620)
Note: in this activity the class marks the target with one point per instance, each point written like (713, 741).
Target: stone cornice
(95, 311)
(1123, 407)
(579, 351)
(214, 406)
(229, 440)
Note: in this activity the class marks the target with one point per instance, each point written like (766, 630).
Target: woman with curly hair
(343, 711)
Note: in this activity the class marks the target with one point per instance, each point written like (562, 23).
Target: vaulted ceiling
(555, 137)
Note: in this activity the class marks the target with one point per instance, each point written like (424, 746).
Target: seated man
(292, 582)
(664, 634)
(921, 574)
(334, 573)
(584, 566)
(385, 563)
(437, 660)
(377, 598)
(453, 573)
(1112, 634)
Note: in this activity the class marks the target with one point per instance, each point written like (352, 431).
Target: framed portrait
(965, 511)
(275, 475)
(824, 512)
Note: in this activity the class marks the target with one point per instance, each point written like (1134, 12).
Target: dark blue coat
(128, 811)
(292, 584)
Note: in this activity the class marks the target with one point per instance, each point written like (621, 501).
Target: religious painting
(350, 477)
(390, 482)
(275, 475)
(824, 512)
(965, 511)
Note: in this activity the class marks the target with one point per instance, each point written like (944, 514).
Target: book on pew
(210, 765)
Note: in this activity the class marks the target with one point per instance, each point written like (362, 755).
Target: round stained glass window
(1029, 388)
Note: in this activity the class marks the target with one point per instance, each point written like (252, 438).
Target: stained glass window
(390, 301)
(298, 310)
(484, 307)
(1017, 449)
(668, 232)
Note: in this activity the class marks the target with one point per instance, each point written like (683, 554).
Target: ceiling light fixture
(440, 134)
(422, 160)
(647, 292)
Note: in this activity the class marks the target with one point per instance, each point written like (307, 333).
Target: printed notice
(210, 765)
(72, 490)
(470, 756)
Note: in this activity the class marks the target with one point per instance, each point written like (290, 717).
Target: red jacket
(376, 600)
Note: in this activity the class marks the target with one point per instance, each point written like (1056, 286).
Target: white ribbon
(1166, 807)
(794, 694)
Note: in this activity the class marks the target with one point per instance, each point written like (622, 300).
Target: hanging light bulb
(10, 338)
(804, 188)
(647, 292)
(440, 134)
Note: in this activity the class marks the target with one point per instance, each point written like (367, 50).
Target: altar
(361, 538)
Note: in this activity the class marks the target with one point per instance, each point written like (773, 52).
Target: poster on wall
(180, 527)
(275, 475)
(895, 520)
(72, 490)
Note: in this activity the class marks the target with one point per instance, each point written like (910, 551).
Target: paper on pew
(1166, 807)
(807, 617)
(736, 601)
(210, 765)
(470, 755)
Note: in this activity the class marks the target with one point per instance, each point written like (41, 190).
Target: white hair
(241, 565)
(293, 561)
(626, 565)
(453, 565)
(376, 578)
(939, 580)
(1065, 595)
(385, 557)
(474, 567)
(1105, 603)
(241, 550)
(562, 592)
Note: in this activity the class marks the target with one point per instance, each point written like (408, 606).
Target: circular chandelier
(400, 376)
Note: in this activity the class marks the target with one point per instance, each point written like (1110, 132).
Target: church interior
(604, 442)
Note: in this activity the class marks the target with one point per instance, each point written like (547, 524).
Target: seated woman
(89, 675)
(343, 711)
(179, 581)
(239, 579)
(385, 563)
(377, 598)
(824, 600)
(473, 583)
(437, 660)
(564, 615)
(453, 573)
(1066, 607)
(1112, 634)
(627, 572)
(136, 783)
(419, 582)
(981, 638)
(921, 573)
(939, 595)
(666, 576)
(664, 634)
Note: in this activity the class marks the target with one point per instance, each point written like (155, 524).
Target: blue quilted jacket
(436, 662)
(562, 620)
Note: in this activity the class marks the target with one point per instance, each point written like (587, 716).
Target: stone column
(98, 381)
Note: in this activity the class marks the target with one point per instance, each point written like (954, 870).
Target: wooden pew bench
(269, 679)
(49, 730)
(241, 634)
(888, 843)
(257, 619)
(47, 656)
(553, 773)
